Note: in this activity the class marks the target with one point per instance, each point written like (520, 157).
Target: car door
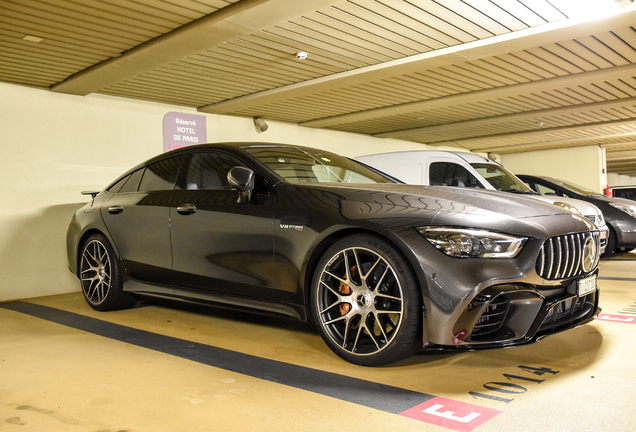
(137, 219)
(219, 244)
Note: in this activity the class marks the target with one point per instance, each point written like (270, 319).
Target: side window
(531, 185)
(545, 190)
(161, 175)
(451, 174)
(129, 183)
(209, 170)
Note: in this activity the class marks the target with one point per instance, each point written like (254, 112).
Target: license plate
(586, 286)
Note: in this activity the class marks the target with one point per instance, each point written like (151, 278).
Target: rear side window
(208, 171)
(130, 183)
(161, 175)
(451, 174)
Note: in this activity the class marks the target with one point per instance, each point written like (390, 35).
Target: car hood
(584, 207)
(442, 205)
(610, 200)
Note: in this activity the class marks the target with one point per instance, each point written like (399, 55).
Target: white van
(461, 169)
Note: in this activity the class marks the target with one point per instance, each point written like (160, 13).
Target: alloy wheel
(95, 272)
(360, 301)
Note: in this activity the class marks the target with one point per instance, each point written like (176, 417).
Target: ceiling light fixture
(31, 38)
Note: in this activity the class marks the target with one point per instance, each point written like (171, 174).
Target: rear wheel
(100, 276)
(366, 302)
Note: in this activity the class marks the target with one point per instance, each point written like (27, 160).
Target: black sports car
(619, 213)
(381, 268)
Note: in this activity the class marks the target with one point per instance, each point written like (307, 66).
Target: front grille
(564, 308)
(569, 311)
(493, 316)
(569, 255)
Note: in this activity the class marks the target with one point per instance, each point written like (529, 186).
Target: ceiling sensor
(301, 55)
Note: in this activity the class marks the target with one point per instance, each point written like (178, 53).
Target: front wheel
(365, 301)
(100, 276)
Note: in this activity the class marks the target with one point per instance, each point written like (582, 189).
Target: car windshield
(572, 187)
(501, 179)
(306, 165)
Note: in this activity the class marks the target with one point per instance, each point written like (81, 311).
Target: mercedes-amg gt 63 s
(380, 267)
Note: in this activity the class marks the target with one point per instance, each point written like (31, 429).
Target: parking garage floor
(174, 367)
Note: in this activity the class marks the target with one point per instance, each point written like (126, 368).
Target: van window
(451, 174)
(500, 178)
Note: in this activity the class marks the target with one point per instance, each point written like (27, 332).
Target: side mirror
(242, 179)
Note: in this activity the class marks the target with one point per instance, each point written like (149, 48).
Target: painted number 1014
(512, 386)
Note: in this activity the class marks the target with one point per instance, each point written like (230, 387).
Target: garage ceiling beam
(473, 144)
(627, 164)
(536, 36)
(622, 158)
(625, 171)
(609, 146)
(228, 23)
(516, 117)
(473, 97)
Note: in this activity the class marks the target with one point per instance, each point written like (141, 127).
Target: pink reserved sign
(181, 130)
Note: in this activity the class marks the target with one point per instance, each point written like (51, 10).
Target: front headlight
(601, 220)
(459, 242)
(568, 207)
(627, 208)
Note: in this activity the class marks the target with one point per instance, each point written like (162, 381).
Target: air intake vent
(493, 317)
(569, 256)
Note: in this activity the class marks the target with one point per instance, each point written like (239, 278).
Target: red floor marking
(617, 318)
(448, 413)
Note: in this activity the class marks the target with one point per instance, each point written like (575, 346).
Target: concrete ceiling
(503, 76)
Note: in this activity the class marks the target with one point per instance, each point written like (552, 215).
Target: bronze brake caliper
(345, 308)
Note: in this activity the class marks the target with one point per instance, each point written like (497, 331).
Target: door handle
(186, 209)
(115, 209)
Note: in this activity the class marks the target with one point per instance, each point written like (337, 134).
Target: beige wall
(53, 146)
(581, 165)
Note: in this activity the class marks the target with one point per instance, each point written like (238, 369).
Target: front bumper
(625, 232)
(604, 234)
(511, 314)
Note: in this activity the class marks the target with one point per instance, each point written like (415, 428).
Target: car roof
(427, 154)
(202, 147)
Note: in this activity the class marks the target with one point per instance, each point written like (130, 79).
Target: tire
(370, 317)
(100, 276)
